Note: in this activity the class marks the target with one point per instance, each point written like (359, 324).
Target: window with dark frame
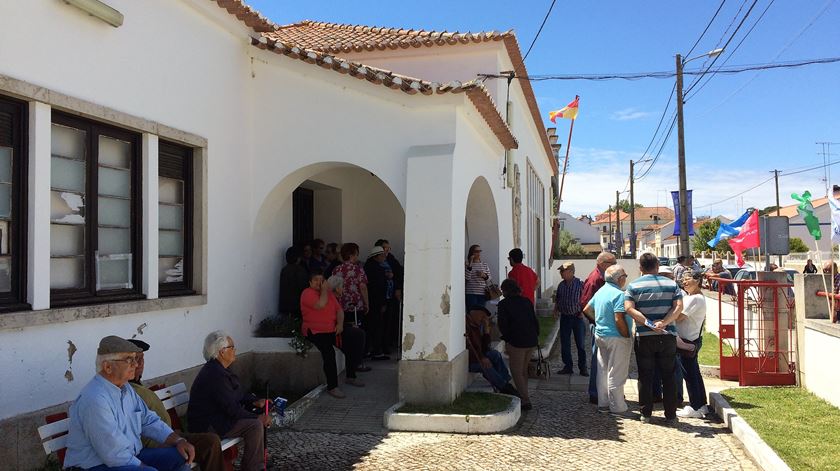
(13, 136)
(175, 222)
(95, 212)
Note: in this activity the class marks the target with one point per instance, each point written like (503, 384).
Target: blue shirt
(106, 423)
(567, 298)
(654, 295)
(608, 301)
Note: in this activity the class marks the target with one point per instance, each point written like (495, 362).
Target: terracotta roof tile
(252, 18)
(342, 38)
(473, 89)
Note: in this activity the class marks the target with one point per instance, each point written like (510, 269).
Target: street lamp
(684, 248)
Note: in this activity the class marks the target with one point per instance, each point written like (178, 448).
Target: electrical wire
(706, 29)
(730, 70)
(746, 15)
(720, 41)
(733, 50)
(829, 164)
(540, 30)
(661, 147)
(737, 194)
(659, 125)
(784, 48)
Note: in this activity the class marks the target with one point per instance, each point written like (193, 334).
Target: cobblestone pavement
(563, 431)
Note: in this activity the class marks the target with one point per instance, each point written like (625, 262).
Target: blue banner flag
(732, 229)
(676, 197)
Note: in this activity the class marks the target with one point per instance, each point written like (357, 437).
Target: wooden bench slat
(229, 442)
(176, 401)
(173, 390)
(49, 430)
(55, 444)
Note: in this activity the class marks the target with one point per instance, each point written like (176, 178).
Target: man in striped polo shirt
(655, 302)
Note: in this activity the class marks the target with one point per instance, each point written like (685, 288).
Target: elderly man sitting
(208, 448)
(220, 404)
(612, 336)
(108, 419)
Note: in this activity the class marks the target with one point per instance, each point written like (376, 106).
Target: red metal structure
(757, 337)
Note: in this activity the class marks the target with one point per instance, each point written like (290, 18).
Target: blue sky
(737, 128)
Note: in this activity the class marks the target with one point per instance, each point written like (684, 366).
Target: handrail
(823, 294)
(749, 283)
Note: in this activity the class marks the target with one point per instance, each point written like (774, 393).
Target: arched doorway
(344, 203)
(481, 226)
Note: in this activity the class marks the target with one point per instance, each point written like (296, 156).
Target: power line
(738, 194)
(659, 125)
(540, 30)
(746, 15)
(729, 70)
(706, 29)
(719, 41)
(661, 147)
(778, 54)
(733, 50)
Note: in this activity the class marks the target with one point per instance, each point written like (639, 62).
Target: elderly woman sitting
(219, 403)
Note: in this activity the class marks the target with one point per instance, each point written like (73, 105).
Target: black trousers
(373, 327)
(325, 343)
(353, 346)
(391, 325)
(657, 352)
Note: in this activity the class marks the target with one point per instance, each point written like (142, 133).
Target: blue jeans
(475, 300)
(690, 370)
(593, 369)
(572, 325)
(161, 459)
(498, 375)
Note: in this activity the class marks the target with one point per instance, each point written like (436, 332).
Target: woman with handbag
(477, 277)
(520, 331)
(690, 328)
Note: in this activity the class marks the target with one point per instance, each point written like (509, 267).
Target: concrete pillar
(38, 216)
(434, 361)
(808, 306)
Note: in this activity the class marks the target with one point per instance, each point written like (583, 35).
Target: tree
(796, 245)
(624, 205)
(567, 245)
(704, 234)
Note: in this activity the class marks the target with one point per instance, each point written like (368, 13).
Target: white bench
(54, 435)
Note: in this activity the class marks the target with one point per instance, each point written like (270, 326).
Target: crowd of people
(659, 315)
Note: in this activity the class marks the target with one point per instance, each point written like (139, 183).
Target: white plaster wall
(482, 226)
(159, 66)
(821, 375)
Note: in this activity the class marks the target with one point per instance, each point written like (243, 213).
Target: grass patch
(798, 425)
(546, 323)
(468, 403)
(709, 353)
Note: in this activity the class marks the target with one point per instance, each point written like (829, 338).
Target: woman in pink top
(323, 319)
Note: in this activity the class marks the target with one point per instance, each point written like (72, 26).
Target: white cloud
(629, 114)
(594, 175)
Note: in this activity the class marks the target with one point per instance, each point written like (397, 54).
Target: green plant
(468, 403)
(796, 245)
(567, 245)
(300, 344)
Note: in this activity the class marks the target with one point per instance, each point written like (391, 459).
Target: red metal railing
(757, 339)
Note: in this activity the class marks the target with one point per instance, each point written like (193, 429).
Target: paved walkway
(563, 431)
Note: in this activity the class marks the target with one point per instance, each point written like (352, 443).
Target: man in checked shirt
(567, 307)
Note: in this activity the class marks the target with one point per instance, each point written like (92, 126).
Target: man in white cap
(108, 419)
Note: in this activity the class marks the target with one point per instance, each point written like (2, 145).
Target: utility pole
(684, 249)
(619, 245)
(632, 216)
(778, 209)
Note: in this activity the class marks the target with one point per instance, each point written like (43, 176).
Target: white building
(149, 171)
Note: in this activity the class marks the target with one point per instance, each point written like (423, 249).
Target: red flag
(748, 238)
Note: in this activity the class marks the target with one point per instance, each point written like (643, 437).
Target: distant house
(583, 233)
(797, 225)
(645, 217)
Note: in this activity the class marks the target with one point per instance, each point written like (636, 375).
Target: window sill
(19, 320)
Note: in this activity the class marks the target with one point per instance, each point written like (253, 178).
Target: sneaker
(354, 382)
(603, 409)
(644, 419)
(564, 371)
(672, 422)
(336, 393)
(704, 410)
(690, 413)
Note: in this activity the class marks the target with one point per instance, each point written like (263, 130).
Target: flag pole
(565, 163)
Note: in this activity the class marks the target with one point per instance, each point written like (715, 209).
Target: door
(303, 220)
